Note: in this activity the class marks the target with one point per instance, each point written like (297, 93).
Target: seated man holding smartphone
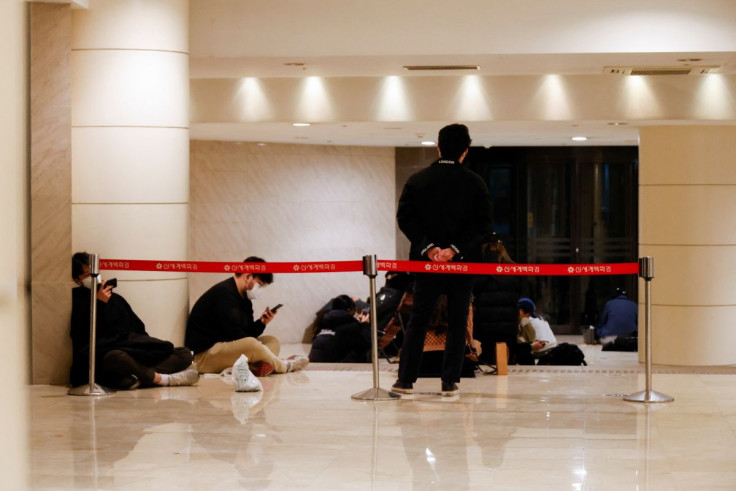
(221, 328)
(126, 356)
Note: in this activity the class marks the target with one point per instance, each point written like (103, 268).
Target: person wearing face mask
(221, 328)
(126, 356)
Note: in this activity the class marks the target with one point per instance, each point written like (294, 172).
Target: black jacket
(445, 205)
(496, 316)
(341, 339)
(221, 315)
(118, 327)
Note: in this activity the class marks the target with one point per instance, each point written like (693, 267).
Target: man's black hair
(79, 260)
(453, 140)
(343, 302)
(266, 278)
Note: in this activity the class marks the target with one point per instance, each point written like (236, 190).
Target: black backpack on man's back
(563, 354)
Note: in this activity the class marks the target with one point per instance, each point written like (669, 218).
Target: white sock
(164, 379)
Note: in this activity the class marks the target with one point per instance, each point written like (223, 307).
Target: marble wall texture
(50, 113)
(291, 203)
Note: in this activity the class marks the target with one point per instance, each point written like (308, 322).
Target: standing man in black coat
(445, 211)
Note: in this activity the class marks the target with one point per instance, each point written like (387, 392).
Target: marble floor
(541, 430)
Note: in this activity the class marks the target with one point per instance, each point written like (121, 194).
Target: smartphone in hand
(274, 309)
(113, 282)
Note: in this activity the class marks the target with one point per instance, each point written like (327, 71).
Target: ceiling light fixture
(413, 68)
(300, 124)
(428, 143)
(579, 138)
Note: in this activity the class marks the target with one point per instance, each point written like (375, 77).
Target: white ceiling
(356, 40)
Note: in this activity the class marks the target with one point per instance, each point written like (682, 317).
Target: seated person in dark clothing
(389, 296)
(126, 356)
(340, 337)
(495, 317)
(388, 299)
(619, 318)
(221, 327)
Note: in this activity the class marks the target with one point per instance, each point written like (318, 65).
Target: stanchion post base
(84, 390)
(648, 396)
(376, 394)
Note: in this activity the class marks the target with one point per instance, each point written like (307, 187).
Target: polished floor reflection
(537, 430)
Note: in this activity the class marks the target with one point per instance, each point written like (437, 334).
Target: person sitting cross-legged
(221, 328)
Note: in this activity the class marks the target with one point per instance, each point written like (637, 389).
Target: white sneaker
(185, 377)
(296, 362)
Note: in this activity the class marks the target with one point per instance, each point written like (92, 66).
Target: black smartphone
(274, 309)
(113, 282)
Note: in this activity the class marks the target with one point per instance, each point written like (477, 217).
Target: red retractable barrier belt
(510, 269)
(230, 267)
(382, 265)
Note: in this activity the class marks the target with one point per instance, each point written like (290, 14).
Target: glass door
(608, 230)
(558, 205)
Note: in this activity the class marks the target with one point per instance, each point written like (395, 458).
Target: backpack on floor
(563, 354)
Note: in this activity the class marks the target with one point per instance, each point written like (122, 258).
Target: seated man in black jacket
(221, 328)
(126, 356)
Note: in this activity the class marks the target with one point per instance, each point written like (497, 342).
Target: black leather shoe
(402, 388)
(449, 390)
(129, 382)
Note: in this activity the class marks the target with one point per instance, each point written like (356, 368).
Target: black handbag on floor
(563, 354)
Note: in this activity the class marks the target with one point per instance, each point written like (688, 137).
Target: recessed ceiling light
(261, 144)
(617, 123)
(300, 124)
(579, 138)
(428, 143)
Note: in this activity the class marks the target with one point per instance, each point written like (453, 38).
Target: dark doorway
(565, 205)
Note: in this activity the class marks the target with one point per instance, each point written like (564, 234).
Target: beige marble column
(50, 96)
(130, 148)
(687, 222)
(13, 246)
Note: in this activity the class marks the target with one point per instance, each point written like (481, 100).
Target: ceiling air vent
(660, 70)
(440, 67)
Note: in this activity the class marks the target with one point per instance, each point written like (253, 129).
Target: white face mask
(254, 292)
(87, 282)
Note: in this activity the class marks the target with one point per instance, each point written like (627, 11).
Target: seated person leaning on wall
(126, 356)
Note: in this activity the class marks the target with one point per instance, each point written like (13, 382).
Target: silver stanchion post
(646, 271)
(92, 389)
(376, 393)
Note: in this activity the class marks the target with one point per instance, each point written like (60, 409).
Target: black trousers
(427, 289)
(116, 367)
